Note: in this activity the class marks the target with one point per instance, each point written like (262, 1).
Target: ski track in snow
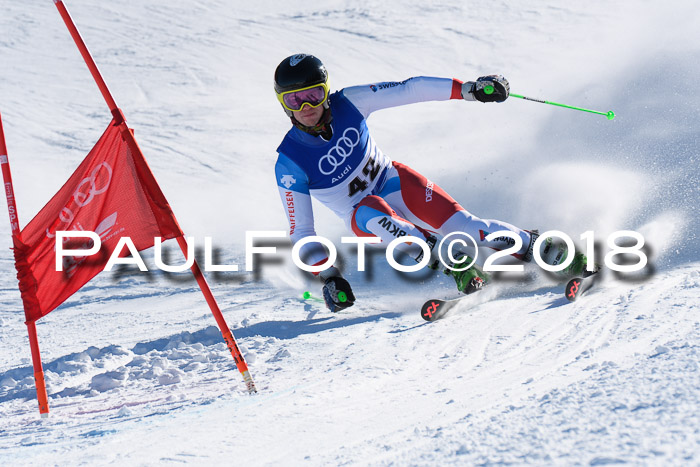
(137, 371)
(520, 379)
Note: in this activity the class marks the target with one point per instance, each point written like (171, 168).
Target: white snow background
(137, 372)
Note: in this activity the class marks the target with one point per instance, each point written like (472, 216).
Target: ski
(436, 308)
(580, 285)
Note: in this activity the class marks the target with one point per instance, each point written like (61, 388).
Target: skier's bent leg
(424, 202)
(374, 217)
(479, 229)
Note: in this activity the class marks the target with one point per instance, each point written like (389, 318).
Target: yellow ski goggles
(312, 96)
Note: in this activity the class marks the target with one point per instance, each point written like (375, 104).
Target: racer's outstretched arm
(371, 97)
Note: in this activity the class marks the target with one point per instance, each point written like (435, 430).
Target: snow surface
(137, 371)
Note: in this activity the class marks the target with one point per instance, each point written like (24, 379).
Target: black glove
(491, 88)
(337, 293)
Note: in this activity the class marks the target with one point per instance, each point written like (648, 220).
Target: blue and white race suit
(350, 175)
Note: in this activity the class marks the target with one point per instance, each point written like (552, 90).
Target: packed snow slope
(138, 373)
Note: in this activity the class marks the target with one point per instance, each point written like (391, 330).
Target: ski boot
(554, 253)
(470, 280)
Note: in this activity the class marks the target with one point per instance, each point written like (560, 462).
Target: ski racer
(329, 154)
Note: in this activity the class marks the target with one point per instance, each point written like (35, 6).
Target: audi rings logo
(95, 184)
(338, 153)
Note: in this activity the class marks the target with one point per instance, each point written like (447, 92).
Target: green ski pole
(342, 297)
(610, 114)
(308, 296)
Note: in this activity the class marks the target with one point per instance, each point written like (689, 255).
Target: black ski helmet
(297, 72)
